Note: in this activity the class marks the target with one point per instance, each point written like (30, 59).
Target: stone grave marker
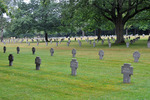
(101, 54)
(131, 41)
(90, 41)
(37, 43)
(18, 50)
(28, 43)
(11, 59)
(148, 44)
(46, 43)
(80, 43)
(73, 52)
(33, 50)
(68, 43)
(74, 66)
(127, 71)
(94, 44)
(56, 43)
(37, 62)
(109, 44)
(127, 44)
(52, 51)
(4, 48)
(102, 42)
(136, 56)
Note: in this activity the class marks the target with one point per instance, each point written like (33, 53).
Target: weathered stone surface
(101, 54)
(80, 43)
(94, 44)
(127, 44)
(102, 42)
(136, 56)
(74, 66)
(37, 62)
(148, 44)
(11, 59)
(18, 50)
(56, 43)
(33, 50)
(127, 71)
(52, 51)
(73, 52)
(4, 48)
(109, 44)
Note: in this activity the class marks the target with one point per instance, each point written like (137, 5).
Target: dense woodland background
(55, 18)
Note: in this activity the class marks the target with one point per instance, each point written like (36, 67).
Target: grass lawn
(96, 79)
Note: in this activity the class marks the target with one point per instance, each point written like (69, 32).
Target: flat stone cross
(148, 44)
(101, 54)
(73, 52)
(18, 50)
(4, 48)
(11, 59)
(136, 56)
(37, 62)
(109, 44)
(127, 71)
(74, 66)
(127, 44)
(52, 51)
(33, 50)
(94, 44)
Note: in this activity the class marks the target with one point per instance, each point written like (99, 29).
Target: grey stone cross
(127, 71)
(136, 56)
(74, 66)
(37, 62)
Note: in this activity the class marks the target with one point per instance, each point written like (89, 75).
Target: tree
(120, 11)
(37, 15)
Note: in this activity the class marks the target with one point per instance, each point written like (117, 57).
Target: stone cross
(109, 44)
(74, 66)
(11, 59)
(37, 43)
(67, 43)
(127, 71)
(33, 50)
(131, 41)
(56, 43)
(37, 62)
(136, 56)
(102, 42)
(4, 49)
(28, 43)
(73, 52)
(127, 44)
(90, 41)
(80, 43)
(148, 44)
(101, 54)
(46, 43)
(52, 51)
(18, 50)
(94, 44)
(51, 41)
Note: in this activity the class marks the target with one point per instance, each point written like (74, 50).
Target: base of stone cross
(73, 72)
(126, 78)
(10, 63)
(37, 67)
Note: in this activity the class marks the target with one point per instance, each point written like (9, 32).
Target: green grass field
(96, 79)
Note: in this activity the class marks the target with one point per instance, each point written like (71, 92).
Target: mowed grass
(96, 79)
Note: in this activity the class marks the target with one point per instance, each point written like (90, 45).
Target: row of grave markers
(126, 70)
(136, 54)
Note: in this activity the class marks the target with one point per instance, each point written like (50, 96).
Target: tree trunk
(99, 34)
(119, 32)
(46, 37)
